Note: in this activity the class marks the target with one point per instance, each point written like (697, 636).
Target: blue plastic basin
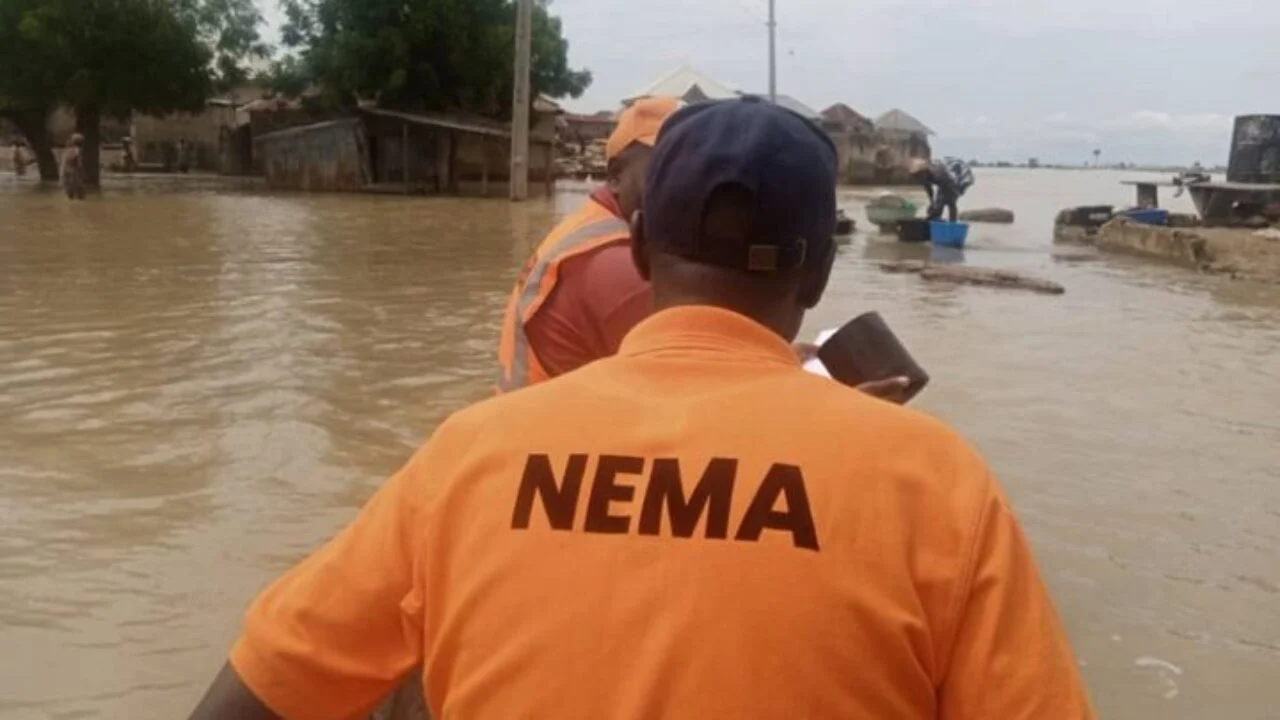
(948, 234)
(1149, 216)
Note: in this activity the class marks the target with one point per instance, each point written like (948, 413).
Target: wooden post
(404, 154)
(1148, 195)
(520, 102)
(550, 169)
(484, 166)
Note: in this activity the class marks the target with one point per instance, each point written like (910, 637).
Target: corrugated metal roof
(680, 82)
(440, 122)
(897, 119)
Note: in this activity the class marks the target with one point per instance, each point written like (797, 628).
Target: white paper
(814, 365)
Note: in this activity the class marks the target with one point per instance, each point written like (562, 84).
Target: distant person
(128, 161)
(692, 528)
(19, 159)
(73, 168)
(946, 181)
(184, 156)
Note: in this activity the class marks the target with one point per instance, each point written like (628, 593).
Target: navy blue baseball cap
(786, 163)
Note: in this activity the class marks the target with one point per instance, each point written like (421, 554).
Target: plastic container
(948, 234)
(865, 350)
(1148, 216)
(913, 231)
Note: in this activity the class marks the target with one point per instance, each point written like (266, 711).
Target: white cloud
(1191, 122)
(1158, 79)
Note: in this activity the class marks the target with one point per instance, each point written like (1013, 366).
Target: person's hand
(893, 390)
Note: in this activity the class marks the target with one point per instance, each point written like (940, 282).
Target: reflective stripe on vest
(532, 290)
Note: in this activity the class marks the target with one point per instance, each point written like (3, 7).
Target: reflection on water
(200, 383)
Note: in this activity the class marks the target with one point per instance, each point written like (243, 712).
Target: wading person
(691, 528)
(946, 181)
(73, 168)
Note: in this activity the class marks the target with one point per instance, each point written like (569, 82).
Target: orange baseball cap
(640, 123)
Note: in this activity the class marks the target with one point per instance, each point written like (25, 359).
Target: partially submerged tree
(420, 54)
(115, 57)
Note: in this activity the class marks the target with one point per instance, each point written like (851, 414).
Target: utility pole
(520, 102)
(773, 58)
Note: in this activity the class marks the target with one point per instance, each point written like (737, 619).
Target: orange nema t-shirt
(694, 528)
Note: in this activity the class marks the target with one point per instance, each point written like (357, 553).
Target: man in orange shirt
(579, 293)
(692, 528)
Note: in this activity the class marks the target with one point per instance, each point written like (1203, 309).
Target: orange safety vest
(592, 227)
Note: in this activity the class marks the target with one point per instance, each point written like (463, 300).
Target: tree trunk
(89, 124)
(33, 124)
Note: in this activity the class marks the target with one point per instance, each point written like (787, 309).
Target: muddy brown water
(199, 382)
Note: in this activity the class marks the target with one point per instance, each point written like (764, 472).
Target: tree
(421, 54)
(115, 57)
(25, 81)
(230, 30)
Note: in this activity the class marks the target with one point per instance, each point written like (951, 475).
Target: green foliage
(118, 56)
(288, 75)
(421, 54)
(229, 29)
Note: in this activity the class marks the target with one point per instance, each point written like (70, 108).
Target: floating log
(988, 215)
(969, 275)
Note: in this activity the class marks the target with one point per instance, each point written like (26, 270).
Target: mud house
(869, 152)
(899, 137)
(854, 136)
(217, 139)
(378, 150)
(156, 139)
(584, 129)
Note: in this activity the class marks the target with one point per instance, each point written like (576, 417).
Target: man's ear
(639, 245)
(613, 175)
(814, 281)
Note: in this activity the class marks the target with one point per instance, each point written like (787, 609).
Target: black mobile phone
(865, 350)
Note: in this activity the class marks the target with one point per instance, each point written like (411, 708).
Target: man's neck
(605, 197)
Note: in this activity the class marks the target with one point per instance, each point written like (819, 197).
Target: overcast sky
(1149, 81)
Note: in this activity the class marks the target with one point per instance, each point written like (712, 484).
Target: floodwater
(199, 383)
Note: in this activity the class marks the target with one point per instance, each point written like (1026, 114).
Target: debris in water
(1148, 661)
(1165, 667)
(970, 275)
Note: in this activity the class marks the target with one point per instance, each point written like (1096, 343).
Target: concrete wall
(1236, 252)
(323, 157)
(1185, 247)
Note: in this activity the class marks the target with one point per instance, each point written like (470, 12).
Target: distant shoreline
(1216, 170)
